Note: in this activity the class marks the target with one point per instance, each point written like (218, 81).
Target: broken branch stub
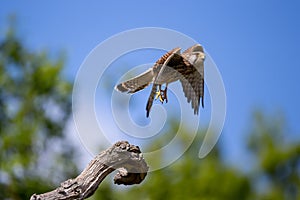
(122, 156)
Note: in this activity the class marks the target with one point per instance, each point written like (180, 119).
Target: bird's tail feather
(137, 83)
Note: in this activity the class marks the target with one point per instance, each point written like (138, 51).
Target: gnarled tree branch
(126, 158)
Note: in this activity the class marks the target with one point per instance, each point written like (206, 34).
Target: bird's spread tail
(137, 83)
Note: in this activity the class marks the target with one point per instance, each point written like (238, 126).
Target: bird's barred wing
(195, 55)
(143, 80)
(193, 88)
(156, 70)
(137, 83)
(191, 80)
(166, 71)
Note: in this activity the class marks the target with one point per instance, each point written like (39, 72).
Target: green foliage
(35, 157)
(187, 178)
(278, 159)
(274, 175)
(34, 106)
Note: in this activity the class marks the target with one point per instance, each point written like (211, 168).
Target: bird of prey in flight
(187, 67)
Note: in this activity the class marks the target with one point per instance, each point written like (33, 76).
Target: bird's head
(197, 49)
(195, 54)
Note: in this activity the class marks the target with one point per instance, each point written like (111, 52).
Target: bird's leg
(159, 94)
(162, 94)
(165, 93)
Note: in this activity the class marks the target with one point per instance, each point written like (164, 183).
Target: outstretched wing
(167, 73)
(156, 70)
(143, 80)
(191, 80)
(193, 88)
(137, 83)
(196, 56)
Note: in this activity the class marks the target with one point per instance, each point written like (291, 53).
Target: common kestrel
(187, 67)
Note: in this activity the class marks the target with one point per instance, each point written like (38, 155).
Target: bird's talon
(165, 95)
(161, 99)
(160, 95)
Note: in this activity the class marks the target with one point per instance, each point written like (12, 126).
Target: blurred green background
(35, 155)
(255, 44)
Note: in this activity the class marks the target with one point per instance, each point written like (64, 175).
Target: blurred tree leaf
(34, 107)
(187, 178)
(278, 160)
(275, 175)
(34, 155)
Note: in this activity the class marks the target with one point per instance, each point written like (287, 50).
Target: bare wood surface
(126, 158)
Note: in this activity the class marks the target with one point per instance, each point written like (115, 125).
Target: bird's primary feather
(187, 67)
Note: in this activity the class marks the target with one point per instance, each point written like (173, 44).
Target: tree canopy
(34, 108)
(34, 156)
(274, 170)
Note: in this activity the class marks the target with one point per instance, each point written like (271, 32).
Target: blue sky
(255, 44)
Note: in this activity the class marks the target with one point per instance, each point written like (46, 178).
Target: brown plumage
(187, 67)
